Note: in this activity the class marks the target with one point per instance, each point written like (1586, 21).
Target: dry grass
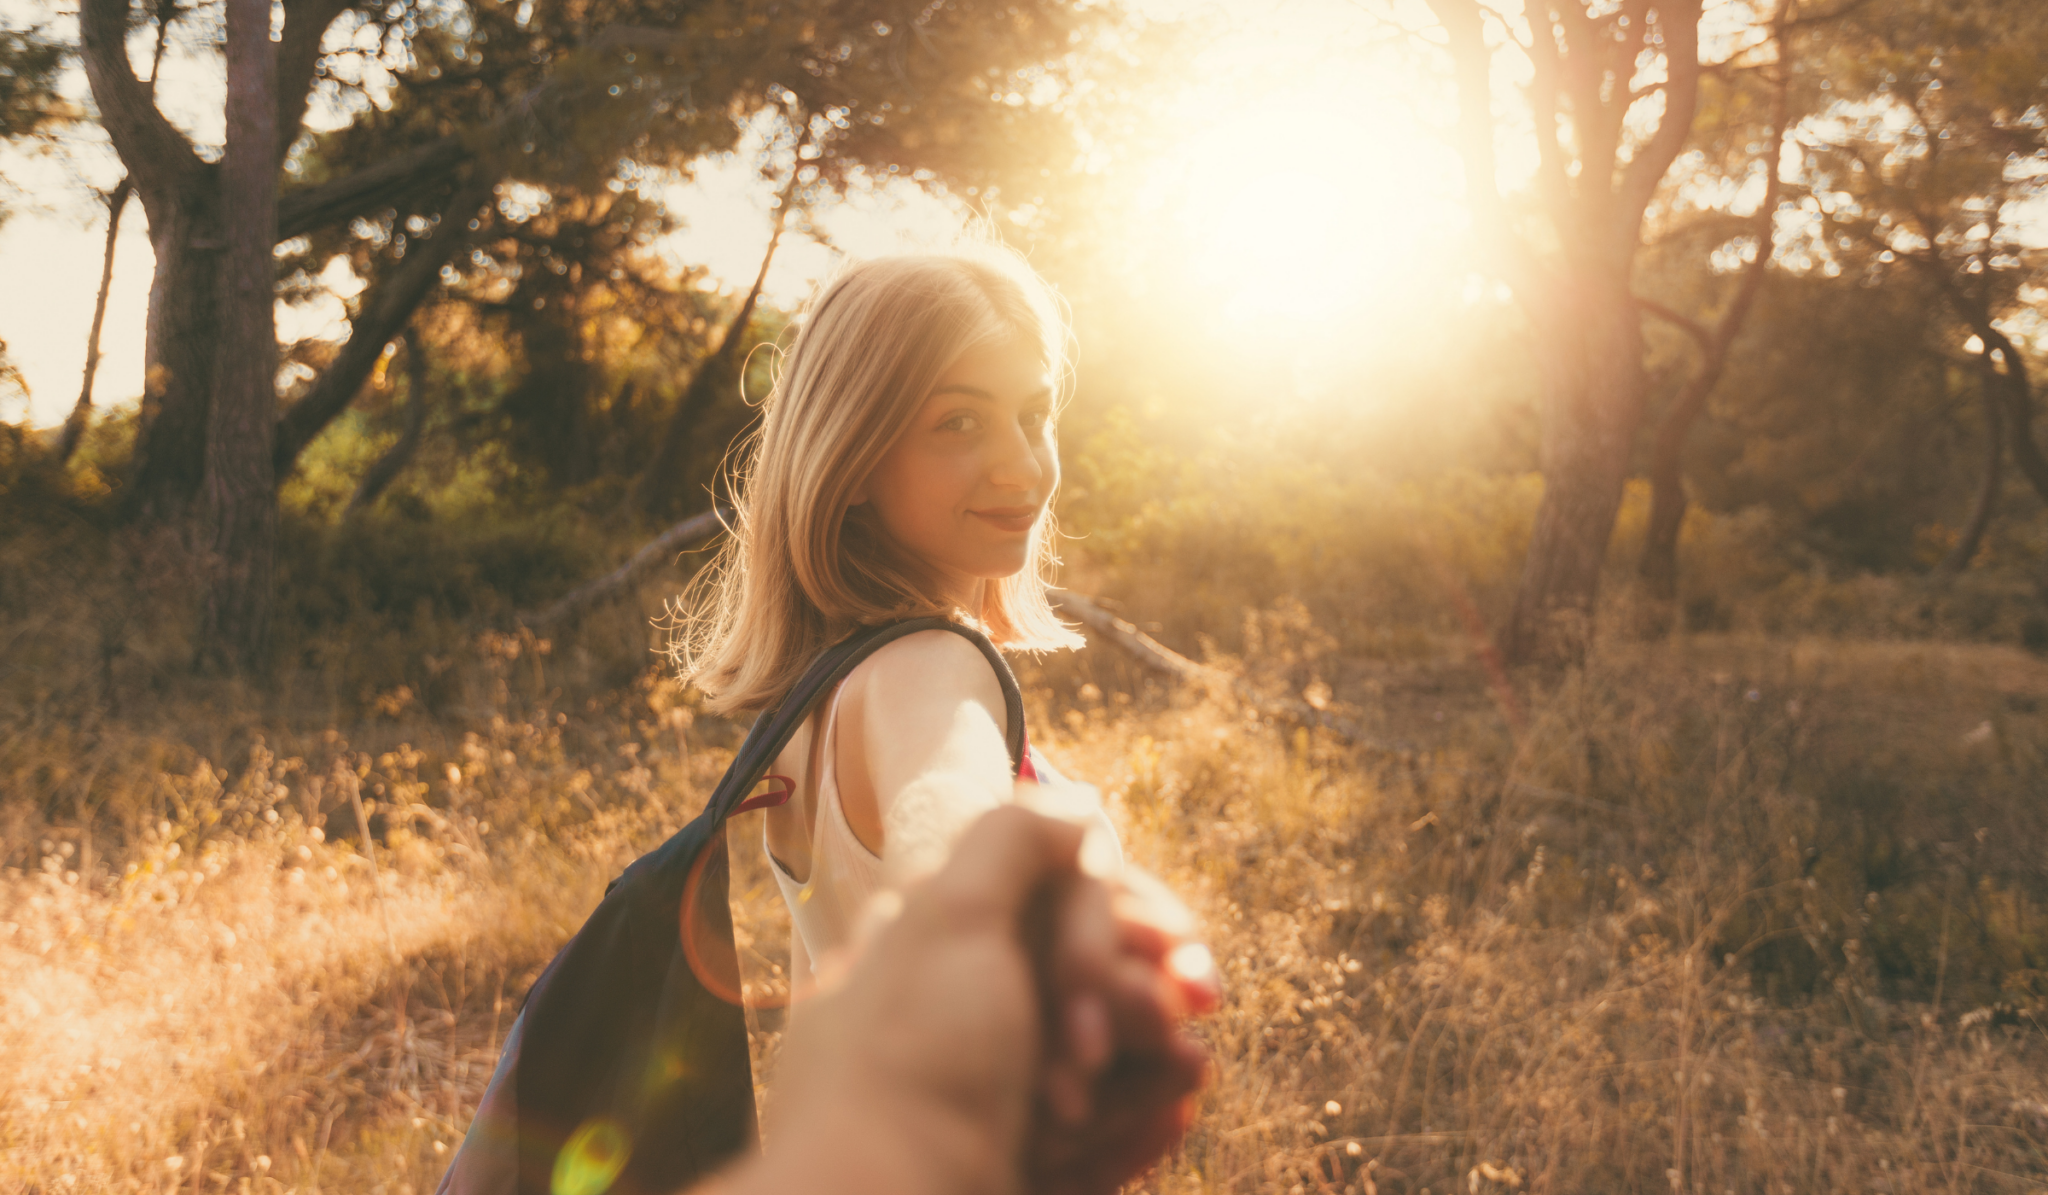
(1718, 917)
(1639, 947)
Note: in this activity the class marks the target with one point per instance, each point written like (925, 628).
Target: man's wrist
(871, 1147)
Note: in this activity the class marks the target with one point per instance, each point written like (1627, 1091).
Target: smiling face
(963, 488)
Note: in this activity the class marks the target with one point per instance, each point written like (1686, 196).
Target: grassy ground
(1721, 914)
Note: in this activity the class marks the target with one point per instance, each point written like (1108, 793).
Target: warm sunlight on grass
(1658, 952)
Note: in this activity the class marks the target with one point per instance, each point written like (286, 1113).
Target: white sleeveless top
(825, 909)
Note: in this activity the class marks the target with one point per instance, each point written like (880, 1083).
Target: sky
(1248, 198)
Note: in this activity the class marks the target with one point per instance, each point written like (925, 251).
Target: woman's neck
(968, 594)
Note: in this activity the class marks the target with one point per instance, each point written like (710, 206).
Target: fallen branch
(661, 550)
(1160, 658)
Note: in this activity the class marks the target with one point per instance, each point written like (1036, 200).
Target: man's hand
(1013, 1029)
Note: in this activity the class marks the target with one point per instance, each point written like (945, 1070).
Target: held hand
(1123, 971)
(914, 1074)
(929, 1068)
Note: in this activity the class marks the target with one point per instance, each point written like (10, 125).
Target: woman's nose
(1016, 465)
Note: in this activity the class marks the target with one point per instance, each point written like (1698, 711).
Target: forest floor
(1718, 915)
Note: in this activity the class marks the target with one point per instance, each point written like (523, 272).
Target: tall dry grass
(1725, 915)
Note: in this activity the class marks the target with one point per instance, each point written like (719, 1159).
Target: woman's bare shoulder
(924, 671)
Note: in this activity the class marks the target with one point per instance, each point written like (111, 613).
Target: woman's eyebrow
(978, 393)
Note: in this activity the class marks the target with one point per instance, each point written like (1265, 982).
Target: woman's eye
(963, 422)
(1035, 420)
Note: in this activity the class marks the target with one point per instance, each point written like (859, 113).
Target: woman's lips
(1013, 519)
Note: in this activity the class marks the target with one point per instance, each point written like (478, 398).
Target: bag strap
(773, 729)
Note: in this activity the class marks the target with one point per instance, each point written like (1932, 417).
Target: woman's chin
(1004, 570)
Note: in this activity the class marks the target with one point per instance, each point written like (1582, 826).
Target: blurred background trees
(496, 156)
(1661, 306)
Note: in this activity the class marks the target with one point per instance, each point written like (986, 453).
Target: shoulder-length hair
(800, 570)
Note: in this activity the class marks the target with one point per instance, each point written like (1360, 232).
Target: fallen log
(660, 550)
(1160, 658)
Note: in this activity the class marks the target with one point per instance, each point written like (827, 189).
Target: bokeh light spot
(592, 1159)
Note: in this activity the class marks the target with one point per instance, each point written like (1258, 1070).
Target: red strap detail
(769, 800)
(1025, 770)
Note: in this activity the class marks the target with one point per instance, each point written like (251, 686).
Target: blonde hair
(800, 570)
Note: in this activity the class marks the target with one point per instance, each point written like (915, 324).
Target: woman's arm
(920, 749)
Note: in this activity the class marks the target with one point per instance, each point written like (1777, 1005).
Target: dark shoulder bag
(626, 1071)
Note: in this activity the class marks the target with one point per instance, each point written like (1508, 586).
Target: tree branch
(1679, 23)
(1553, 181)
(657, 484)
(298, 54)
(1463, 23)
(1658, 566)
(329, 203)
(1684, 323)
(381, 474)
(310, 208)
(1583, 68)
(385, 310)
(157, 156)
(74, 426)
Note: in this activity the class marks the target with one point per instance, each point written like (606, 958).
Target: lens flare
(705, 923)
(592, 1159)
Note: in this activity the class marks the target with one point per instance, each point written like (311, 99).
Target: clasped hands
(1016, 1027)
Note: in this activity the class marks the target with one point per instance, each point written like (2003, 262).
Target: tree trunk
(1577, 295)
(74, 426)
(659, 489)
(178, 191)
(238, 527)
(1593, 383)
(2016, 391)
(394, 461)
(180, 339)
(1972, 537)
(2005, 370)
(1658, 568)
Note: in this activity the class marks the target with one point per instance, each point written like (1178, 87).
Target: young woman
(905, 467)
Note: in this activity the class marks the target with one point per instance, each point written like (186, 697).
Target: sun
(1286, 215)
(1307, 187)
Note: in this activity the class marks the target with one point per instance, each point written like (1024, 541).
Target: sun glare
(1290, 217)
(1302, 184)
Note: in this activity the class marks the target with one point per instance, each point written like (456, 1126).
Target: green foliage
(29, 65)
(1845, 417)
(1937, 139)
